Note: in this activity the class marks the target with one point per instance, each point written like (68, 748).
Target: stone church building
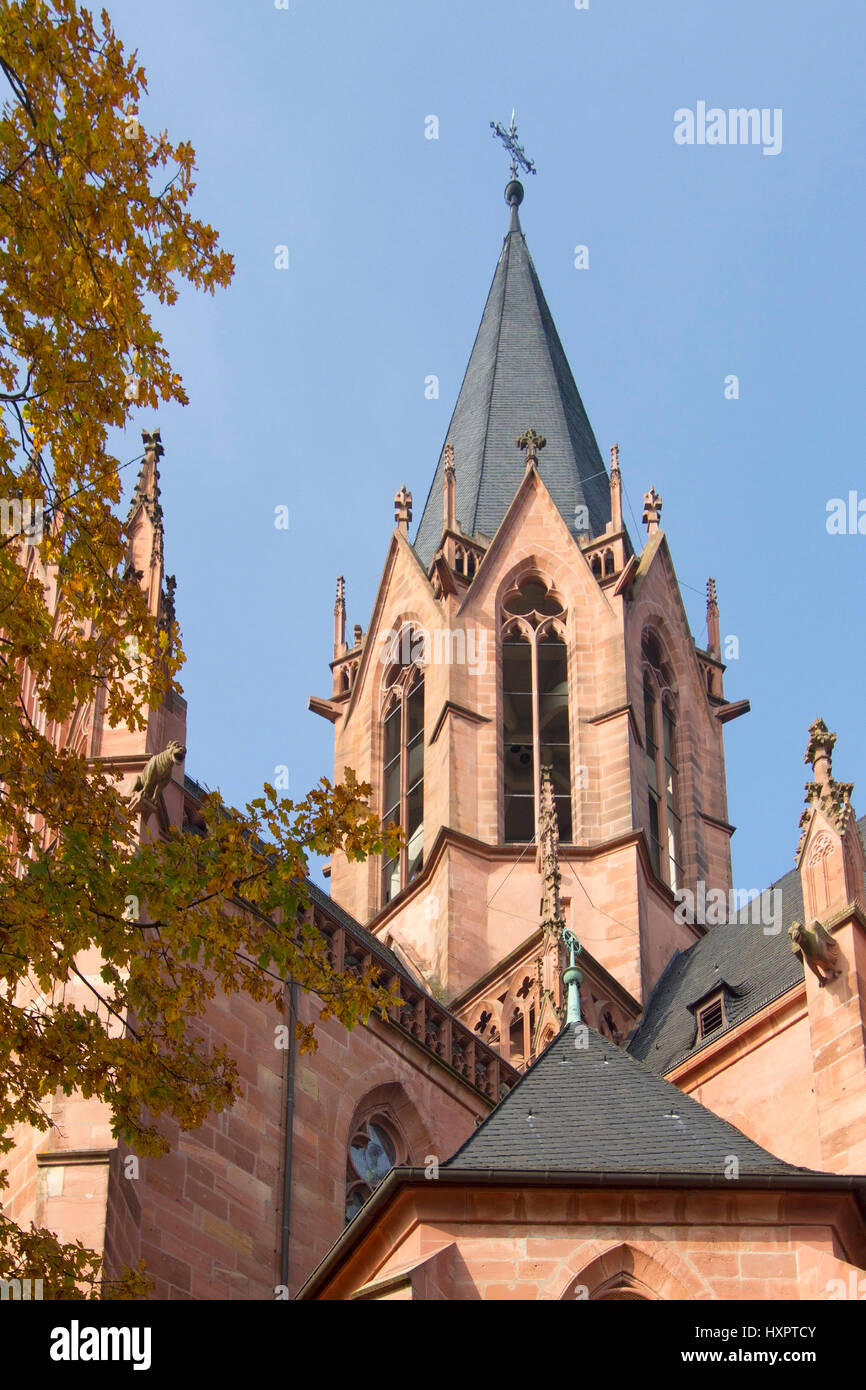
(610, 1077)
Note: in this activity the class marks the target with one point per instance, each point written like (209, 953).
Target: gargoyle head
(177, 751)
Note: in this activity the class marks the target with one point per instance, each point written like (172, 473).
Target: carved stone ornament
(822, 847)
(155, 775)
(820, 951)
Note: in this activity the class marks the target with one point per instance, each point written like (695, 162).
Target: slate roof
(517, 378)
(598, 1110)
(754, 969)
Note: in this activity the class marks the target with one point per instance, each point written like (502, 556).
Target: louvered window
(711, 1017)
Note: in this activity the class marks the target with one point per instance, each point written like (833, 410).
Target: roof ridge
(506, 251)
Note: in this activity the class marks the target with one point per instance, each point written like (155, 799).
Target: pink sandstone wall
(760, 1079)
(542, 1244)
(434, 1110)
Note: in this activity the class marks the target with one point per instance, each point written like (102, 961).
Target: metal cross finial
(509, 140)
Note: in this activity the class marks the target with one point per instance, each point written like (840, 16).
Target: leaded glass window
(660, 735)
(373, 1151)
(403, 771)
(536, 728)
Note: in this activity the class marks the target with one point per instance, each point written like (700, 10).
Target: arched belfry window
(535, 718)
(660, 731)
(403, 766)
(375, 1146)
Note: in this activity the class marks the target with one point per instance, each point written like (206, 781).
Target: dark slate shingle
(518, 377)
(597, 1110)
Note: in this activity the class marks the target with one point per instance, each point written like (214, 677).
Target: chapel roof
(595, 1109)
(518, 378)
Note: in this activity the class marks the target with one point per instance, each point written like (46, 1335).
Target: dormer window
(711, 1016)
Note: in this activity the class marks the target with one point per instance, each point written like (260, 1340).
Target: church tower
(525, 654)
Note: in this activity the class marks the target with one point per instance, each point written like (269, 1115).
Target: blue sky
(306, 385)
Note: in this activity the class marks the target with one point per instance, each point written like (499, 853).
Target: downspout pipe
(287, 1152)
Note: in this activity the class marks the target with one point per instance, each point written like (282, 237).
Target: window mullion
(662, 784)
(536, 732)
(404, 784)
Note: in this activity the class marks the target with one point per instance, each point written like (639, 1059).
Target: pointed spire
(552, 922)
(340, 617)
(548, 857)
(147, 488)
(615, 490)
(819, 752)
(449, 489)
(824, 793)
(517, 373)
(144, 526)
(714, 639)
(830, 851)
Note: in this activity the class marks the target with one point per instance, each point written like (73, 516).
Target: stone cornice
(626, 578)
(716, 823)
(458, 839)
(732, 710)
(450, 707)
(328, 709)
(617, 713)
(75, 1158)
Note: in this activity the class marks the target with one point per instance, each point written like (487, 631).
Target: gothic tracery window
(403, 768)
(661, 764)
(535, 715)
(374, 1148)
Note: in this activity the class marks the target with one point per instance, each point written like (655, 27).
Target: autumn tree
(96, 230)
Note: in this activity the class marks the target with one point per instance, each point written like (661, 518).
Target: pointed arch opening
(660, 709)
(403, 764)
(625, 1272)
(535, 721)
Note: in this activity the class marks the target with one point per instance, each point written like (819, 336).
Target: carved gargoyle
(155, 775)
(820, 951)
